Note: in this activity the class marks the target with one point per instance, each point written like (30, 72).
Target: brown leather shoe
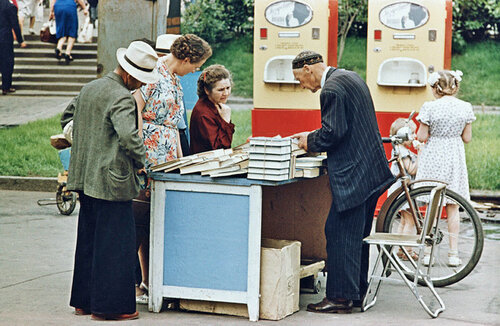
(117, 317)
(81, 312)
(339, 306)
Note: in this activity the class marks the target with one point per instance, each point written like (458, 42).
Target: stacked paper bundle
(216, 163)
(271, 158)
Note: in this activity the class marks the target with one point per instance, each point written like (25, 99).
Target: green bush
(218, 21)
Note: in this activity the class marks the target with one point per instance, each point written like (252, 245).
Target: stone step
(58, 69)
(27, 61)
(49, 53)
(31, 92)
(54, 86)
(52, 78)
(44, 45)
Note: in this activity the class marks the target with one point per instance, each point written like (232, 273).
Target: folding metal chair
(389, 243)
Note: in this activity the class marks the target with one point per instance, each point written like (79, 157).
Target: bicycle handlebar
(386, 140)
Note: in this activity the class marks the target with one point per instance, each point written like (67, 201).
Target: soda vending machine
(406, 41)
(282, 29)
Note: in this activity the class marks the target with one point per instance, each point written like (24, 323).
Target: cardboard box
(279, 284)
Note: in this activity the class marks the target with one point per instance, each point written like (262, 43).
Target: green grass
(483, 153)
(236, 56)
(26, 150)
(480, 64)
(354, 56)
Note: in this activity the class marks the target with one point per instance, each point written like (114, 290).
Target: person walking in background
(161, 106)
(27, 9)
(66, 17)
(8, 22)
(445, 125)
(211, 126)
(93, 11)
(358, 173)
(106, 154)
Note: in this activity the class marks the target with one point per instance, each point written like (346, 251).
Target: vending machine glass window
(404, 15)
(288, 13)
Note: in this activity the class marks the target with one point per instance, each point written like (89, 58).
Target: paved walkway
(36, 261)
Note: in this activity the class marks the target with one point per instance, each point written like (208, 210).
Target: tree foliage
(218, 21)
(472, 20)
(351, 13)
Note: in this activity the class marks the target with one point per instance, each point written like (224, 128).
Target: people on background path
(358, 173)
(106, 154)
(93, 11)
(211, 126)
(445, 125)
(8, 22)
(161, 109)
(27, 9)
(64, 11)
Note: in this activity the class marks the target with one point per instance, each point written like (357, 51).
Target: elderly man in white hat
(106, 154)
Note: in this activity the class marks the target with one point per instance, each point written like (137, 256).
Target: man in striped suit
(358, 173)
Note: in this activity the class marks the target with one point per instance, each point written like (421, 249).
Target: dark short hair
(210, 76)
(306, 57)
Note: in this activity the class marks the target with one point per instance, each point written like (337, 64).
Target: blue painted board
(206, 240)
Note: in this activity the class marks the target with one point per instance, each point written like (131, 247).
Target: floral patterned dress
(443, 156)
(163, 110)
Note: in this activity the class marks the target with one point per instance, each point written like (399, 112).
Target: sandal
(68, 58)
(58, 54)
(401, 255)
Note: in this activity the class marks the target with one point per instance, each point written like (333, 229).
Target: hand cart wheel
(65, 200)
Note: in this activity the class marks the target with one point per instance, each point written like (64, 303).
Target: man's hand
(302, 137)
(23, 44)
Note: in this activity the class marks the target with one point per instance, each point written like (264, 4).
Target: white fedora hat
(139, 60)
(164, 42)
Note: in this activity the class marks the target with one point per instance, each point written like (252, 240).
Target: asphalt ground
(36, 261)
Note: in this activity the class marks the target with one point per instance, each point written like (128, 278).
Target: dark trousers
(103, 277)
(348, 257)
(6, 64)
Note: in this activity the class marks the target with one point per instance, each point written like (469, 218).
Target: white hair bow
(457, 74)
(433, 78)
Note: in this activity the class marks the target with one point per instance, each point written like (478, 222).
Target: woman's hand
(51, 16)
(224, 112)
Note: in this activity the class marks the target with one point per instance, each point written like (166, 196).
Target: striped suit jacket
(357, 165)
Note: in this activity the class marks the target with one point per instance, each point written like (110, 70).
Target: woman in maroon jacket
(211, 126)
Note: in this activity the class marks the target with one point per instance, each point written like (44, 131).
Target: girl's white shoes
(453, 259)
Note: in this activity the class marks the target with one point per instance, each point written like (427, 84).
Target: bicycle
(412, 197)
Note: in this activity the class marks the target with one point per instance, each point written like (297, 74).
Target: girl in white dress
(445, 124)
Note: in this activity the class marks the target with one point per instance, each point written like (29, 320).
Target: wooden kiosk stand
(206, 233)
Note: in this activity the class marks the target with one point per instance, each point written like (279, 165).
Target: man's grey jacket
(107, 150)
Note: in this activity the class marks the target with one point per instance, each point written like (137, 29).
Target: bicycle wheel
(470, 236)
(65, 200)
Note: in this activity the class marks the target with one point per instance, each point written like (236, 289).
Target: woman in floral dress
(161, 108)
(161, 103)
